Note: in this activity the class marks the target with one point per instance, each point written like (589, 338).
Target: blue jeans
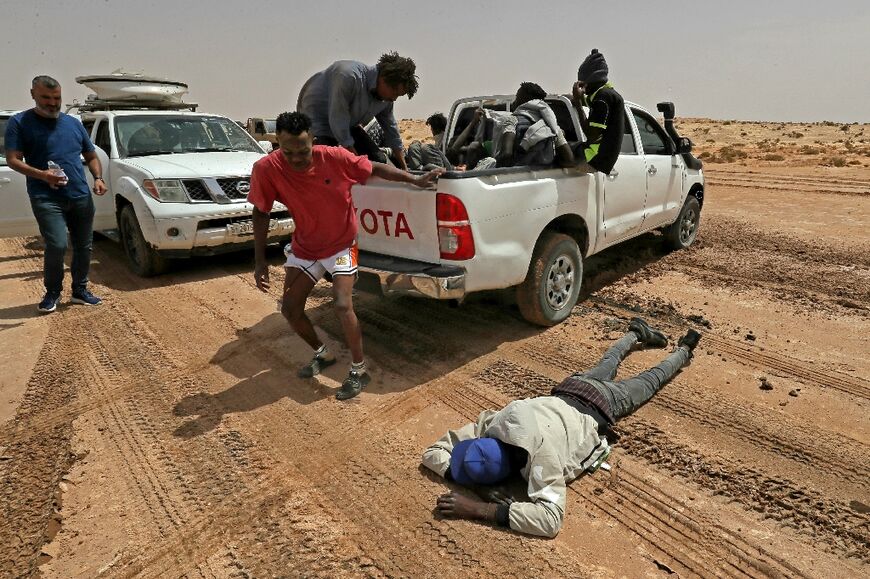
(55, 217)
(626, 396)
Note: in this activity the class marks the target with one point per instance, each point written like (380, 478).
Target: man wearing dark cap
(549, 440)
(606, 122)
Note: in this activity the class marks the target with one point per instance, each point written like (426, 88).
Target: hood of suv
(194, 165)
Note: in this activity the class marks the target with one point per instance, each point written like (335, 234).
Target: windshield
(3, 121)
(270, 125)
(138, 136)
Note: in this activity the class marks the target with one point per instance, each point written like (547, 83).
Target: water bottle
(58, 171)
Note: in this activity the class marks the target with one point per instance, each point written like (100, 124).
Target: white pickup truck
(528, 227)
(178, 182)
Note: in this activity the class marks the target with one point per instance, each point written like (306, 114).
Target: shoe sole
(323, 364)
(82, 302)
(46, 311)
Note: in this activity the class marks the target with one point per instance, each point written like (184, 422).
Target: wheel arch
(573, 226)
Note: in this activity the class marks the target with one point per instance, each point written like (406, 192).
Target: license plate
(242, 228)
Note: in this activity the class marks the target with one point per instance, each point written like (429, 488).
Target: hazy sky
(796, 60)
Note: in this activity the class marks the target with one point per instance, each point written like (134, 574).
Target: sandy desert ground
(165, 433)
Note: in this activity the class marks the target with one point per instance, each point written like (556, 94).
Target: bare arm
(390, 173)
(261, 231)
(15, 160)
(465, 135)
(96, 169)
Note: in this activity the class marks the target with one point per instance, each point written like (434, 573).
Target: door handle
(5, 180)
(652, 170)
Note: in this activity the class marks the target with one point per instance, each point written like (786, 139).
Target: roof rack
(93, 104)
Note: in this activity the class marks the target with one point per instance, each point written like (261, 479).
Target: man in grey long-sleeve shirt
(342, 99)
(549, 440)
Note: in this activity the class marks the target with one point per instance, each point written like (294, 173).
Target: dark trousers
(362, 142)
(626, 396)
(55, 217)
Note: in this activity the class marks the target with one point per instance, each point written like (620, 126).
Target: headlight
(168, 190)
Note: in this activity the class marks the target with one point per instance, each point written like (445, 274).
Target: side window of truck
(102, 137)
(628, 145)
(89, 126)
(651, 136)
(563, 117)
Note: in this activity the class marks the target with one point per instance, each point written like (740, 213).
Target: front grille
(196, 190)
(223, 221)
(230, 187)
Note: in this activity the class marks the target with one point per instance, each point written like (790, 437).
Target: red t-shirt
(318, 199)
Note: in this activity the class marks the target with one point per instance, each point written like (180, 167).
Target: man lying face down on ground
(548, 440)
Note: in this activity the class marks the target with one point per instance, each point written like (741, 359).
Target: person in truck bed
(604, 125)
(549, 440)
(314, 182)
(526, 135)
(424, 156)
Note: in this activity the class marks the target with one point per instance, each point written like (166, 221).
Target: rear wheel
(682, 233)
(141, 257)
(552, 286)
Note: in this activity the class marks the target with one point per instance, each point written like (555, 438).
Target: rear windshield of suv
(138, 136)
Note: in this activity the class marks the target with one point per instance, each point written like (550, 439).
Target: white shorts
(342, 263)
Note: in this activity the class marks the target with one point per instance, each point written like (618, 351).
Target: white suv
(178, 182)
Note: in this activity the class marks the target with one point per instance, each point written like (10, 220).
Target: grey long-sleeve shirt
(561, 443)
(342, 96)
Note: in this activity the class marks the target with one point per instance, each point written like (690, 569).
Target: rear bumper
(397, 276)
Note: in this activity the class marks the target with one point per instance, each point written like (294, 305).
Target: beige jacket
(562, 443)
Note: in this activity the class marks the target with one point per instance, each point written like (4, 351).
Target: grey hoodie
(561, 442)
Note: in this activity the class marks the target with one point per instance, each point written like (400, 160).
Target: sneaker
(690, 340)
(85, 298)
(646, 334)
(315, 366)
(48, 303)
(353, 385)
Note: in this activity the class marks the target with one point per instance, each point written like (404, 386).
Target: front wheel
(141, 257)
(682, 233)
(552, 286)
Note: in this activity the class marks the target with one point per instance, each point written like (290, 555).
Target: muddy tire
(681, 234)
(142, 259)
(552, 286)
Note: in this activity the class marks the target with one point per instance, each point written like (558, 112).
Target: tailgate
(397, 219)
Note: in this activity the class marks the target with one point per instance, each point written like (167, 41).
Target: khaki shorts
(342, 263)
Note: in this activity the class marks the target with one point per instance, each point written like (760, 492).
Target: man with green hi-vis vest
(606, 121)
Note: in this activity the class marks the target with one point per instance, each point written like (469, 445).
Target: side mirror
(684, 146)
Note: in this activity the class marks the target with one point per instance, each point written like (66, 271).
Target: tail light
(455, 239)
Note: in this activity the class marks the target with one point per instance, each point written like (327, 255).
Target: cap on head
(593, 69)
(483, 461)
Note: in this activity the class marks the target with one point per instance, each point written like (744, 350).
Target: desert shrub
(808, 150)
(794, 134)
(773, 157)
(844, 128)
(837, 161)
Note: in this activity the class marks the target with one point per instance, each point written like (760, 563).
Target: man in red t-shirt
(314, 182)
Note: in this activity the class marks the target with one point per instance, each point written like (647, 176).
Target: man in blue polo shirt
(45, 145)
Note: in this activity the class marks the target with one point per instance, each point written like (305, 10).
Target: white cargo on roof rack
(138, 87)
